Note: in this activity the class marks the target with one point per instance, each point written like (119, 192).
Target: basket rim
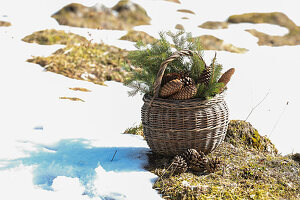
(183, 104)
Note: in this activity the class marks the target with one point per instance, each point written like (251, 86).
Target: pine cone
(170, 88)
(179, 165)
(225, 78)
(196, 161)
(169, 77)
(185, 93)
(186, 80)
(205, 75)
(214, 165)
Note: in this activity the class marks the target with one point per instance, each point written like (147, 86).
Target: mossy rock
(136, 36)
(248, 171)
(4, 23)
(131, 13)
(135, 130)
(243, 134)
(214, 25)
(92, 62)
(277, 18)
(100, 17)
(210, 42)
(52, 36)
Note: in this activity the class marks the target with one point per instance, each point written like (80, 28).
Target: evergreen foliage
(148, 58)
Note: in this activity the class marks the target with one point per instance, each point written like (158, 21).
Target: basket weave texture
(173, 126)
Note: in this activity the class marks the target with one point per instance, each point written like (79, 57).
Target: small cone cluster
(196, 161)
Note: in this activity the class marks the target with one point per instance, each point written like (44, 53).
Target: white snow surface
(53, 148)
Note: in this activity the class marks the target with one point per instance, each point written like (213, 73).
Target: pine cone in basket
(169, 77)
(195, 160)
(225, 78)
(205, 75)
(170, 88)
(187, 81)
(185, 93)
(179, 165)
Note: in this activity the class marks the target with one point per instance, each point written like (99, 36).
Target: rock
(136, 36)
(210, 42)
(4, 23)
(127, 15)
(296, 157)
(243, 134)
(179, 27)
(214, 25)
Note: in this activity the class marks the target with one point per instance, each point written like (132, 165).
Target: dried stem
(253, 108)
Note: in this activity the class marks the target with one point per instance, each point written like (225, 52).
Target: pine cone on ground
(214, 165)
(185, 93)
(205, 75)
(169, 77)
(170, 88)
(225, 78)
(195, 160)
(179, 165)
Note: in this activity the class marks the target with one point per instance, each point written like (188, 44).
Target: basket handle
(163, 66)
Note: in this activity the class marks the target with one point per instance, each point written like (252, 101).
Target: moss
(128, 15)
(4, 23)
(80, 89)
(179, 27)
(210, 42)
(72, 99)
(214, 25)
(135, 130)
(92, 62)
(52, 36)
(185, 11)
(247, 172)
(277, 18)
(136, 36)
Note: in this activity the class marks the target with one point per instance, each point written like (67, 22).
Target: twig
(213, 68)
(281, 114)
(253, 108)
(113, 156)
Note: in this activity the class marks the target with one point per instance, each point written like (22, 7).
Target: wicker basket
(173, 126)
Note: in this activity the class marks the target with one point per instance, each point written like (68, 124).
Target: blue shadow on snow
(76, 158)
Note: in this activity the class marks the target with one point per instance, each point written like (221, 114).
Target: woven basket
(173, 126)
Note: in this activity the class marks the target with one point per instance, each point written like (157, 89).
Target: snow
(53, 148)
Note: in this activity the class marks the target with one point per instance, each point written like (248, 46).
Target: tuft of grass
(52, 36)
(251, 168)
(135, 130)
(72, 99)
(80, 89)
(186, 11)
(138, 36)
(4, 23)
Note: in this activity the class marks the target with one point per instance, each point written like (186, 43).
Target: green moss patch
(185, 11)
(248, 171)
(52, 36)
(100, 17)
(210, 42)
(277, 18)
(92, 62)
(136, 36)
(214, 25)
(4, 23)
